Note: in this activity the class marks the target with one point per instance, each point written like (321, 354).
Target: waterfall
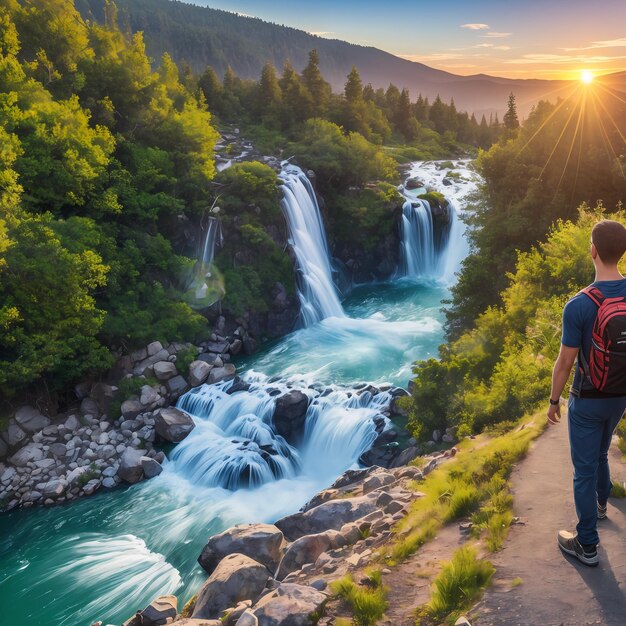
(318, 295)
(203, 288)
(235, 445)
(425, 244)
(208, 246)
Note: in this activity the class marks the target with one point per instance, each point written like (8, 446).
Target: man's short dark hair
(609, 238)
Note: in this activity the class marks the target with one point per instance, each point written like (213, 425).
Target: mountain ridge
(201, 35)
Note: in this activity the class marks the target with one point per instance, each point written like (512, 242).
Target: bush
(367, 603)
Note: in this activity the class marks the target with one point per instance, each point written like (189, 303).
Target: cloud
(607, 43)
(580, 59)
(496, 35)
(484, 45)
(502, 47)
(475, 26)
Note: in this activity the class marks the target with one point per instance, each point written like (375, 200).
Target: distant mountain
(204, 36)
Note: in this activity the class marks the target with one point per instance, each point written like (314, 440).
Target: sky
(525, 39)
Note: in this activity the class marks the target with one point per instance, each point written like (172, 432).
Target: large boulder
(218, 374)
(328, 515)
(289, 605)
(15, 435)
(177, 385)
(54, 488)
(29, 453)
(151, 467)
(172, 424)
(164, 370)
(30, 419)
(159, 611)
(290, 415)
(131, 469)
(198, 372)
(131, 409)
(302, 551)
(262, 542)
(236, 578)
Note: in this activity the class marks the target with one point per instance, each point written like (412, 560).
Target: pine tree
(211, 87)
(354, 87)
(315, 83)
(368, 93)
(269, 89)
(511, 121)
(404, 118)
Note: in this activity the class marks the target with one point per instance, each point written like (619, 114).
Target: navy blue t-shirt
(579, 316)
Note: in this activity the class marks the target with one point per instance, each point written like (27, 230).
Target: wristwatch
(554, 402)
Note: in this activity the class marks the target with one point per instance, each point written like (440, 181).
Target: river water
(105, 556)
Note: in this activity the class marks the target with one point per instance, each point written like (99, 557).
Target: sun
(586, 76)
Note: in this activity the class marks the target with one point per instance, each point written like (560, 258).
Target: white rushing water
(318, 295)
(433, 247)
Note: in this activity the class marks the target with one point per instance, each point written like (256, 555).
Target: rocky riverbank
(279, 574)
(111, 436)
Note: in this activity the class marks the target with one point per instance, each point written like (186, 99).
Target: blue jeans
(591, 425)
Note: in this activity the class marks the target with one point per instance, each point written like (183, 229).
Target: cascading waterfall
(213, 235)
(318, 295)
(234, 444)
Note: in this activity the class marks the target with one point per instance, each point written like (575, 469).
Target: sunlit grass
(458, 585)
(368, 604)
(473, 483)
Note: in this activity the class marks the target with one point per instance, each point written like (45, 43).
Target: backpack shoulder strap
(594, 294)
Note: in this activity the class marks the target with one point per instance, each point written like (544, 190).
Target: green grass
(458, 584)
(473, 483)
(618, 490)
(516, 582)
(368, 604)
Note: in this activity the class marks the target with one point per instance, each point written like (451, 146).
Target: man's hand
(554, 413)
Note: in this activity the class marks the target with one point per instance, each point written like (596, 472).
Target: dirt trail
(556, 590)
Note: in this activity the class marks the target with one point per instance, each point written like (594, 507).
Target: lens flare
(586, 76)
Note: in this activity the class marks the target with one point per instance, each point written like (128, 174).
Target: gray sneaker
(587, 554)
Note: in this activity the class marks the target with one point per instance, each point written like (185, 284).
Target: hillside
(205, 36)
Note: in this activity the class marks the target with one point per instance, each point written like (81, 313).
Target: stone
(172, 424)
(236, 578)
(404, 457)
(154, 347)
(4, 447)
(54, 488)
(58, 450)
(462, 621)
(150, 467)
(198, 372)
(289, 605)
(164, 370)
(30, 419)
(89, 406)
(76, 473)
(218, 374)
(248, 618)
(211, 359)
(235, 347)
(217, 347)
(130, 469)
(139, 355)
(262, 542)
(149, 395)
(15, 435)
(378, 480)
(131, 408)
(108, 482)
(290, 415)
(103, 394)
(302, 551)
(29, 453)
(7, 475)
(160, 609)
(177, 385)
(92, 486)
(328, 515)
(72, 423)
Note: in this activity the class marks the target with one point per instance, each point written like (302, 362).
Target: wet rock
(159, 611)
(92, 486)
(289, 605)
(238, 385)
(198, 372)
(404, 457)
(329, 515)
(150, 467)
(218, 374)
(164, 370)
(290, 415)
(131, 470)
(260, 541)
(172, 424)
(236, 578)
(30, 419)
(211, 359)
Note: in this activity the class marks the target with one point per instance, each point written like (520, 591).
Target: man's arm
(560, 374)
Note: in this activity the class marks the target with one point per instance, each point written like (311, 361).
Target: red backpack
(606, 368)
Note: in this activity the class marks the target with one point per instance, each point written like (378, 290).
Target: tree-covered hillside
(204, 36)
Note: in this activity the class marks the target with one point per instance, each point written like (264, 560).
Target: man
(592, 414)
